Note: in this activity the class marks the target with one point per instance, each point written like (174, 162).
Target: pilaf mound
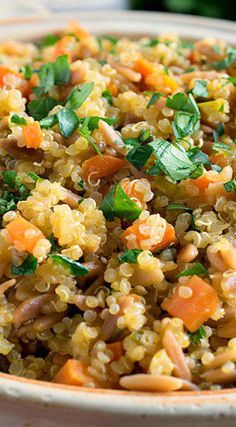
(118, 211)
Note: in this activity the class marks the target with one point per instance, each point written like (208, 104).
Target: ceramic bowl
(28, 403)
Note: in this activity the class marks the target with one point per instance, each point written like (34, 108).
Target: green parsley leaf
(181, 102)
(78, 95)
(138, 156)
(9, 177)
(116, 203)
(50, 40)
(18, 120)
(220, 147)
(26, 268)
(107, 94)
(8, 202)
(68, 122)
(75, 267)
(217, 133)
(154, 97)
(39, 108)
(229, 60)
(112, 39)
(198, 269)
(34, 176)
(200, 89)
(46, 77)
(232, 80)
(177, 206)
(198, 172)
(54, 245)
(172, 159)
(198, 335)
(186, 120)
(216, 168)
(145, 134)
(92, 122)
(49, 121)
(152, 43)
(61, 70)
(186, 44)
(198, 157)
(26, 71)
(185, 124)
(131, 256)
(230, 185)
(133, 142)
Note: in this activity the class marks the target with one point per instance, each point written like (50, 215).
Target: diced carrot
(74, 372)
(196, 309)
(100, 166)
(220, 159)
(32, 134)
(144, 67)
(116, 348)
(202, 182)
(113, 89)
(168, 238)
(23, 234)
(4, 71)
(162, 82)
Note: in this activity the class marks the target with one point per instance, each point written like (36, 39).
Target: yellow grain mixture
(118, 211)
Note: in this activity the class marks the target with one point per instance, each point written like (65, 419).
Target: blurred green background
(224, 9)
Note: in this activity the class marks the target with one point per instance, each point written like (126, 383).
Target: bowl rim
(211, 403)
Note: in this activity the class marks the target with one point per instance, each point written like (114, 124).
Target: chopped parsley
(50, 40)
(152, 42)
(75, 267)
(18, 120)
(198, 157)
(8, 202)
(220, 147)
(78, 95)
(13, 181)
(130, 256)
(61, 70)
(27, 267)
(186, 119)
(172, 159)
(116, 203)
(35, 177)
(198, 269)
(26, 71)
(68, 122)
(217, 133)
(230, 59)
(39, 108)
(232, 79)
(108, 96)
(198, 335)
(154, 97)
(200, 89)
(230, 185)
(139, 155)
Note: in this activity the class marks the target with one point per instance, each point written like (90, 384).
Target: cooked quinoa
(118, 211)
